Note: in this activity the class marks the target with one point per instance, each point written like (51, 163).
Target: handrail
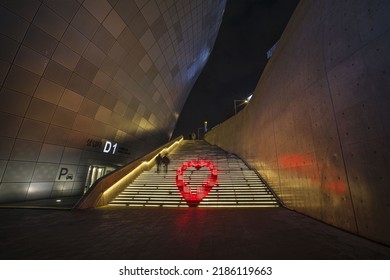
(264, 181)
(278, 199)
(106, 188)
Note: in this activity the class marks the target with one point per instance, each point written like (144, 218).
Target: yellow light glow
(145, 165)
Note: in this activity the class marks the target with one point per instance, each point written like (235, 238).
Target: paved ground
(155, 233)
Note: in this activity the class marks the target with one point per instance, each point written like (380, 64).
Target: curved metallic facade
(317, 127)
(93, 84)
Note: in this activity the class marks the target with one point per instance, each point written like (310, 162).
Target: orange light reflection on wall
(305, 166)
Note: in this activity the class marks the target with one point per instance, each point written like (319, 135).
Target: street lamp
(242, 102)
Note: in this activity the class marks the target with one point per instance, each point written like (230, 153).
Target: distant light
(272, 50)
(249, 98)
(58, 200)
(198, 63)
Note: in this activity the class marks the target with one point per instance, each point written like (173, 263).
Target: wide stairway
(235, 185)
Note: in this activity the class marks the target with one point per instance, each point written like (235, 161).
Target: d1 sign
(193, 195)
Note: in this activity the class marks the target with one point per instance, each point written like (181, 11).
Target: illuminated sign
(193, 195)
(107, 147)
(110, 147)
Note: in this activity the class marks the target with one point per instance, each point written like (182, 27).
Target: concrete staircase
(237, 185)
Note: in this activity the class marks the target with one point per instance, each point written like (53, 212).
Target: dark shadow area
(60, 203)
(188, 233)
(249, 29)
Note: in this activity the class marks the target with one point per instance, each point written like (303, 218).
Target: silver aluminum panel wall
(318, 125)
(81, 77)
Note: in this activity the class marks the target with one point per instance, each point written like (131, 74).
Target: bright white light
(249, 98)
(58, 200)
(198, 63)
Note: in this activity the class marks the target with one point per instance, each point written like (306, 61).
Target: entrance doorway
(94, 173)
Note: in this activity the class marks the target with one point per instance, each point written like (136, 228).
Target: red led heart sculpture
(193, 195)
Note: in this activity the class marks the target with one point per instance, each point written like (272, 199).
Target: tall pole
(235, 106)
(244, 101)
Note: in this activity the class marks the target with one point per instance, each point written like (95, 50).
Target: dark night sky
(249, 29)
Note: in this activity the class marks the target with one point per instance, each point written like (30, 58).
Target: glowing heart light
(193, 195)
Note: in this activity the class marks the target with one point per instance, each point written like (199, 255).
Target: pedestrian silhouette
(158, 162)
(166, 161)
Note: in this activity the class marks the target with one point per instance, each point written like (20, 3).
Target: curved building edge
(317, 126)
(87, 86)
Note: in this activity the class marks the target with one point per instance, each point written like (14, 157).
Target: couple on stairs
(162, 160)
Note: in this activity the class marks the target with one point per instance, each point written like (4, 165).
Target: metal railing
(109, 186)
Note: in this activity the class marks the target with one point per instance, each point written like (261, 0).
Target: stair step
(237, 185)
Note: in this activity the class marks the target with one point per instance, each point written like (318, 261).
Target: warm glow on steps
(237, 185)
